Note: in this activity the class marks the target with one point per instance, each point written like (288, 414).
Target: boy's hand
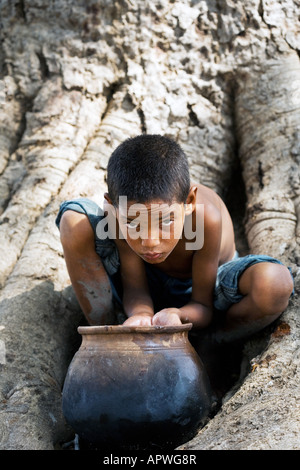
(167, 317)
(139, 320)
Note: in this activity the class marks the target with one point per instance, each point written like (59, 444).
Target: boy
(169, 254)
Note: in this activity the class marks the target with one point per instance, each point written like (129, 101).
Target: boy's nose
(150, 242)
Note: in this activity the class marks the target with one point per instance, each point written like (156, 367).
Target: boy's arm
(137, 301)
(204, 272)
(199, 310)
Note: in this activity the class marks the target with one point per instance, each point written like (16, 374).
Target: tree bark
(76, 79)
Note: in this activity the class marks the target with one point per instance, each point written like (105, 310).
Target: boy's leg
(266, 288)
(88, 276)
(261, 293)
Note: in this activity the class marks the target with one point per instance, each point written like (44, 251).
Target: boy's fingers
(138, 321)
(165, 318)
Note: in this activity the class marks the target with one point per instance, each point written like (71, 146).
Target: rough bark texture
(76, 79)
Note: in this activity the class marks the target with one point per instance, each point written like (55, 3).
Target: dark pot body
(136, 386)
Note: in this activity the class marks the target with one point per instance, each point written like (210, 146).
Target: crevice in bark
(3, 65)
(236, 200)
(143, 121)
(261, 13)
(43, 65)
(261, 10)
(20, 9)
(26, 107)
(193, 116)
(260, 175)
(109, 94)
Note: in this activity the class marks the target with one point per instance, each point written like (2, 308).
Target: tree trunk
(76, 79)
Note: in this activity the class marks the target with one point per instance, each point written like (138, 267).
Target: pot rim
(120, 329)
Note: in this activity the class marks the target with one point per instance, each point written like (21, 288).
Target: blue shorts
(166, 291)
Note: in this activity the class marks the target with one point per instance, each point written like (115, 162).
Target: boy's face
(152, 230)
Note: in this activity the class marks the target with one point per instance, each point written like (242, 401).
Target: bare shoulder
(208, 196)
(210, 203)
(217, 221)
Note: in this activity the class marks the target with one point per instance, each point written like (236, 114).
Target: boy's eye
(132, 224)
(167, 223)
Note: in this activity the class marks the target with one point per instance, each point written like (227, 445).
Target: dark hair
(148, 167)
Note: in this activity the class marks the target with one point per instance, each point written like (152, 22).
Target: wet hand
(167, 317)
(138, 320)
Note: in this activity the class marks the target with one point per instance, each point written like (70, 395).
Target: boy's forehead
(158, 207)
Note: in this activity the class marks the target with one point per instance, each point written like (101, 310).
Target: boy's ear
(106, 196)
(108, 206)
(191, 201)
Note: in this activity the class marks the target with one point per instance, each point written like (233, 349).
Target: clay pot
(136, 387)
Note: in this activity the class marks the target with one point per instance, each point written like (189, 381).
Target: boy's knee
(272, 288)
(75, 230)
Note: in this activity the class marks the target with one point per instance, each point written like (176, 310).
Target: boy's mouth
(151, 256)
